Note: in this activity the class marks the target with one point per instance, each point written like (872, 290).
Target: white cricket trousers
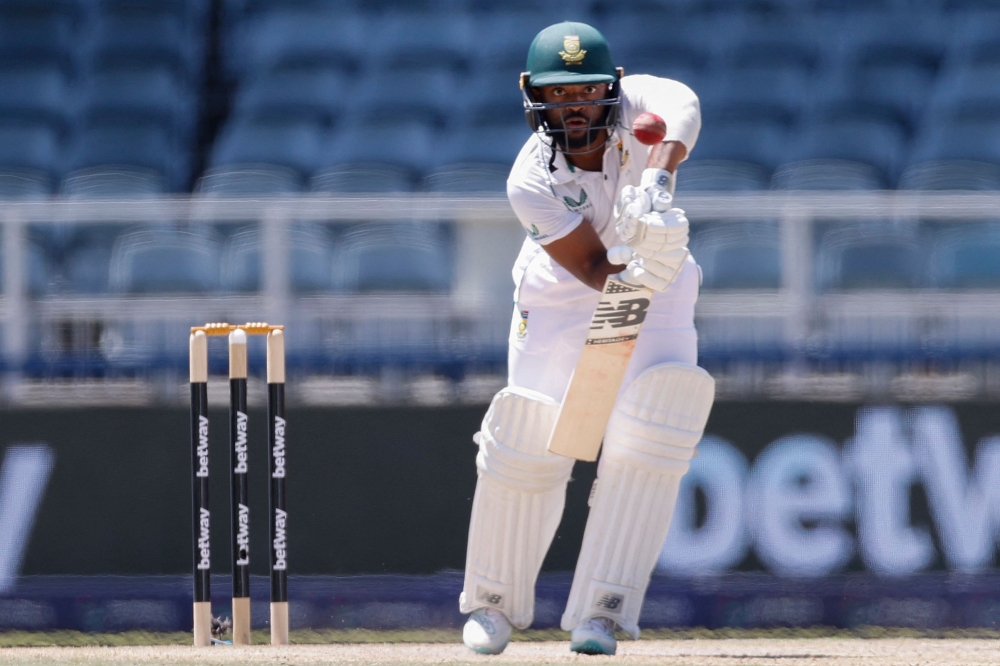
(551, 320)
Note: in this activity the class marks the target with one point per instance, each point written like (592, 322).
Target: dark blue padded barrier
(163, 603)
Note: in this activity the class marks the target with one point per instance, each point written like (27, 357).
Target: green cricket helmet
(570, 54)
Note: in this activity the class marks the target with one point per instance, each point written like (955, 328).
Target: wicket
(240, 504)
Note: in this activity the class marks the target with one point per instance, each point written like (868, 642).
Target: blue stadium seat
(333, 40)
(293, 144)
(699, 175)
(967, 256)
(894, 72)
(310, 256)
(362, 177)
(317, 95)
(509, 31)
(951, 175)
(36, 39)
(492, 98)
(470, 142)
(165, 261)
(972, 140)
(29, 145)
(148, 92)
(738, 255)
(828, 175)
(24, 184)
(968, 93)
(879, 144)
(411, 145)
(20, 185)
(85, 249)
(757, 94)
(420, 41)
(249, 180)
(393, 257)
(392, 94)
(146, 42)
(763, 143)
(871, 256)
(33, 93)
(469, 177)
(131, 142)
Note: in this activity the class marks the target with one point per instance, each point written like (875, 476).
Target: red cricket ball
(649, 128)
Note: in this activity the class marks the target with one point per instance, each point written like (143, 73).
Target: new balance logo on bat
(609, 602)
(627, 312)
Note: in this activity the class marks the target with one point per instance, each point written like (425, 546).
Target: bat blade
(593, 388)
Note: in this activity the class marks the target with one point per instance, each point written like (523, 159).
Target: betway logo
(241, 443)
(280, 552)
(278, 451)
(204, 543)
(243, 536)
(202, 447)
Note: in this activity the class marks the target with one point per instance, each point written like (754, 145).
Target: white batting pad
(518, 504)
(648, 446)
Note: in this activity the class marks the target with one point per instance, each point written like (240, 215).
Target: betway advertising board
(906, 490)
(793, 514)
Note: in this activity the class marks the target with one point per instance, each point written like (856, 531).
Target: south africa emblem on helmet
(573, 54)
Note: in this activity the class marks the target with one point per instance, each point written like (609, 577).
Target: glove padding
(656, 271)
(654, 194)
(655, 231)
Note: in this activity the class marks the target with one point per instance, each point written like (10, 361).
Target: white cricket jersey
(552, 203)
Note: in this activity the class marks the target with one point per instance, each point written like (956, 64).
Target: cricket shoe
(595, 635)
(487, 631)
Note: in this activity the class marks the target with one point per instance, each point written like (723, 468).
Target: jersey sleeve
(542, 215)
(671, 100)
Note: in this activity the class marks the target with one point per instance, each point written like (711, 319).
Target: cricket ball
(649, 128)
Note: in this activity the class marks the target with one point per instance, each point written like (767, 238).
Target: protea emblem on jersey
(573, 54)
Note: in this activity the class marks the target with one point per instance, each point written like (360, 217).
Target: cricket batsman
(595, 202)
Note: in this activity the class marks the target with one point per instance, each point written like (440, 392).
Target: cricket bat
(598, 375)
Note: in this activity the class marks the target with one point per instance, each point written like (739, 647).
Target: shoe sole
(591, 648)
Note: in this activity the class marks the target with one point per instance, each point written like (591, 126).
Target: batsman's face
(576, 120)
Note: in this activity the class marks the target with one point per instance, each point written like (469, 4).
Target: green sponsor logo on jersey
(577, 204)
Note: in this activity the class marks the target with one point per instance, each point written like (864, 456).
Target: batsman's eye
(590, 90)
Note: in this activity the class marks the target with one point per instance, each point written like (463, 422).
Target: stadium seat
(469, 177)
(131, 142)
(36, 38)
(85, 249)
(827, 175)
(147, 92)
(393, 257)
(757, 94)
(499, 144)
(362, 177)
(316, 95)
(967, 256)
(164, 261)
(879, 144)
(333, 40)
(248, 180)
(720, 175)
(29, 145)
(19, 185)
(294, 144)
(412, 40)
(968, 93)
(971, 140)
(145, 42)
(33, 93)
(738, 255)
(951, 175)
(411, 146)
(871, 256)
(112, 183)
(764, 143)
(310, 256)
(401, 95)
(24, 184)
